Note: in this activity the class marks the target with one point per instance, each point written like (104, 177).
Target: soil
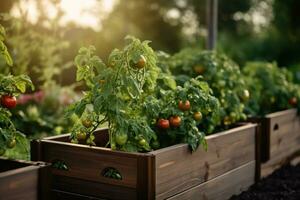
(283, 184)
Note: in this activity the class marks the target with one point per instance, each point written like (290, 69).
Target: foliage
(42, 113)
(9, 86)
(198, 93)
(271, 88)
(37, 51)
(132, 99)
(115, 93)
(222, 75)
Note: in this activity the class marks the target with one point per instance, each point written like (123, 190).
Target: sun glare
(87, 13)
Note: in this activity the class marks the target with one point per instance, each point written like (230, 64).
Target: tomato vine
(10, 87)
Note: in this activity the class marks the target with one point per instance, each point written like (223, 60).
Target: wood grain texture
(89, 163)
(62, 195)
(155, 175)
(284, 139)
(23, 180)
(178, 170)
(93, 189)
(221, 187)
(20, 184)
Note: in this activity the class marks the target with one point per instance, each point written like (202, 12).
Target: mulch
(283, 184)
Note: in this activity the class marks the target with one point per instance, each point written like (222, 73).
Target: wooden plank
(62, 195)
(222, 187)
(177, 169)
(258, 152)
(284, 139)
(19, 184)
(88, 163)
(146, 177)
(93, 189)
(289, 113)
(44, 182)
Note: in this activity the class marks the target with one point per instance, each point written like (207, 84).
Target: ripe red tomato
(175, 121)
(184, 106)
(141, 62)
(163, 123)
(8, 101)
(197, 116)
(293, 101)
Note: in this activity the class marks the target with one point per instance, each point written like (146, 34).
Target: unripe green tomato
(74, 141)
(113, 146)
(80, 136)
(121, 139)
(199, 69)
(197, 116)
(11, 144)
(226, 120)
(245, 95)
(87, 123)
(243, 116)
(2, 151)
(210, 129)
(272, 99)
(142, 142)
(233, 117)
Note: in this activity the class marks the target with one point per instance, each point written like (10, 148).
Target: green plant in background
(272, 88)
(38, 53)
(10, 87)
(142, 113)
(221, 73)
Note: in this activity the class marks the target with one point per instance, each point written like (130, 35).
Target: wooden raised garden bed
(227, 168)
(280, 139)
(24, 180)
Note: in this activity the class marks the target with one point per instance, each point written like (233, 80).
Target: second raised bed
(280, 139)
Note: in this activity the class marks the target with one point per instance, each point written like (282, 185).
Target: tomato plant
(183, 126)
(222, 74)
(41, 113)
(115, 93)
(272, 88)
(10, 87)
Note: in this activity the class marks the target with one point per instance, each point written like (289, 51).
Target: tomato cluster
(221, 73)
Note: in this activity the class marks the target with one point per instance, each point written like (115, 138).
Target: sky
(81, 12)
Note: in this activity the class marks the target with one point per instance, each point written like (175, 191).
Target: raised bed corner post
(212, 23)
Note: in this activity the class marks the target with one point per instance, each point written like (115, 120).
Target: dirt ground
(283, 184)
